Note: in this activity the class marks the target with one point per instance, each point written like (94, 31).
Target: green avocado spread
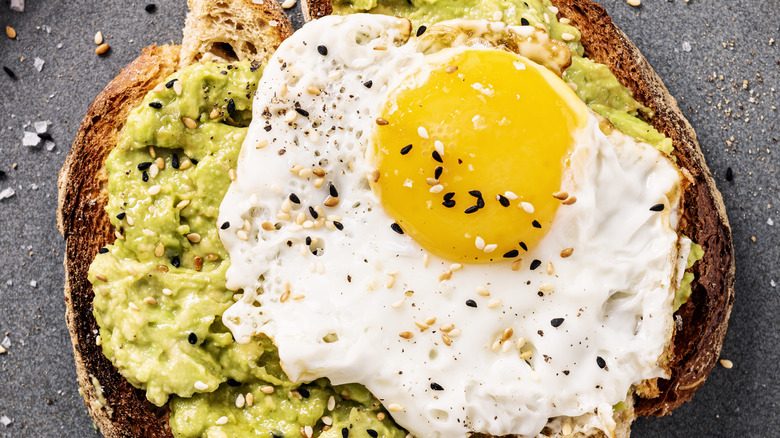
(594, 83)
(160, 287)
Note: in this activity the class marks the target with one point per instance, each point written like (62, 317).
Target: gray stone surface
(716, 58)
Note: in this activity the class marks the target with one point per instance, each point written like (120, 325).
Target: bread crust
(82, 221)
(704, 317)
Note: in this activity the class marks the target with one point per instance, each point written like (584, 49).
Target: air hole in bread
(222, 50)
(250, 47)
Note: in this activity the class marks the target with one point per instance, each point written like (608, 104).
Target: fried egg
(438, 217)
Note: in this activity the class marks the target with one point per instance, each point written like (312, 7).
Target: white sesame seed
(155, 189)
(454, 333)
(133, 306)
(520, 343)
(727, 364)
(398, 304)
(479, 243)
(290, 116)
(98, 38)
(564, 20)
(327, 420)
(546, 287)
(241, 234)
(425, 260)
(505, 347)
(422, 132)
(490, 248)
(496, 345)
(439, 146)
(268, 389)
(167, 292)
(566, 429)
(456, 267)
(527, 207)
(510, 195)
(567, 36)
(308, 431)
(240, 400)
(495, 302)
(221, 420)
(634, 2)
(177, 88)
(395, 407)
(437, 188)
(200, 386)
(288, 4)
(331, 403)
(526, 354)
(482, 291)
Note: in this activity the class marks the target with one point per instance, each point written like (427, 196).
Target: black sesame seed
(192, 338)
(436, 387)
(536, 224)
(524, 246)
(169, 84)
(294, 198)
(302, 112)
(121, 215)
(535, 264)
(601, 362)
(339, 226)
(225, 226)
(437, 172)
(729, 174)
(556, 322)
(2, 174)
(471, 209)
(304, 392)
(175, 161)
(397, 228)
(475, 193)
(368, 84)
(372, 433)
(308, 240)
(657, 207)
(344, 432)
(511, 254)
(503, 200)
(436, 156)
(9, 72)
(150, 8)
(480, 202)
(332, 190)
(233, 382)
(155, 105)
(102, 250)
(471, 303)
(405, 150)
(449, 203)
(277, 435)
(194, 161)
(449, 196)
(145, 165)
(231, 107)
(322, 50)
(313, 212)
(421, 30)
(144, 176)
(175, 262)
(524, 22)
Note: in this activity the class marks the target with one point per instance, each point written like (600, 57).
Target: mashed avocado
(160, 288)
(594, 83)
(684, 291)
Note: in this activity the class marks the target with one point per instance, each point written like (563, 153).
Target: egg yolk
(470, 151)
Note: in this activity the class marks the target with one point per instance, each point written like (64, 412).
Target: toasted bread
(213, 31)
(228, 31)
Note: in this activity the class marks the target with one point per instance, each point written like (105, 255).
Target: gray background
(715, 57)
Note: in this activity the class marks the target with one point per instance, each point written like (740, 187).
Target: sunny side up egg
(440, 219)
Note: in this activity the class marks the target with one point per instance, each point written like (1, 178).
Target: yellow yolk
(470, 152)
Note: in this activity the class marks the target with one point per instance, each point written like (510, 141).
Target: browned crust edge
(83, 223)
(698, 341)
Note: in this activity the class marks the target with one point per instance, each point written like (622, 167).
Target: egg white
(339, 313)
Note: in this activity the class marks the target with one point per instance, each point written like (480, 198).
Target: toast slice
(701, 322)
(215, 32)
(221, 30)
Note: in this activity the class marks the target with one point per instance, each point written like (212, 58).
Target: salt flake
(7, 193)
(38, 63)
(31, 139)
